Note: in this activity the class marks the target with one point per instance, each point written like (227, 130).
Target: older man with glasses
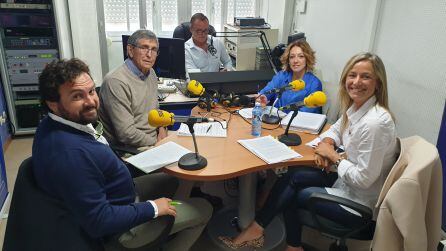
(129, 92)
(202, 51)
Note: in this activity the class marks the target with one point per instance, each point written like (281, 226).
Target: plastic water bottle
(257, 112)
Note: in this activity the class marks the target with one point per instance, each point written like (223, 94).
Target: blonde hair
(379, 71)
(308, 53)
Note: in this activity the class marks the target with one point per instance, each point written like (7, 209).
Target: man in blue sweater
(73, 163)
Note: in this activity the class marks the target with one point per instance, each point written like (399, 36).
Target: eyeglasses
(146, 50)
(205, 31)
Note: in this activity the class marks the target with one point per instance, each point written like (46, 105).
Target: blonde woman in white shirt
(366, 130)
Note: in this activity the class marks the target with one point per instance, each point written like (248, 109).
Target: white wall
(85, 35)
(63, 28)
(410, 37)
(336, 30)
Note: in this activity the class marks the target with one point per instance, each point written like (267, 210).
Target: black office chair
(183, 31)
(334, 230)
(38, 221)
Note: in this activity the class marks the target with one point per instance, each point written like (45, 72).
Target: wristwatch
(338, 161)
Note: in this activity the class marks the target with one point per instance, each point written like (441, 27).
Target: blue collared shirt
(282, 79)
(132, 67)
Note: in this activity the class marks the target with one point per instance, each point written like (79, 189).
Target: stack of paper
(305, 122)
(212, 129)
(158, 157)
(269, 149)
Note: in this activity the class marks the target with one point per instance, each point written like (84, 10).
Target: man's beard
(79, 118)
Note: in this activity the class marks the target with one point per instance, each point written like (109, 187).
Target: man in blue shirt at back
(73, 163)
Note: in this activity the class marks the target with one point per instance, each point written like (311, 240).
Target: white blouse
(371, 147)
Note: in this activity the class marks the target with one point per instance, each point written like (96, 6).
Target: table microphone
(197, 89)
(295, 85)
(189, 161)
(313, 100)
(160, 118)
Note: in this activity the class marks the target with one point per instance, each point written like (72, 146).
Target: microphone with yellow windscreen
(295, 85)
(195, 88)
(316, 99)
(160, 118)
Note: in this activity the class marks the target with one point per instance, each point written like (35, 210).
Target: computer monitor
(238, 82)
(170, 62)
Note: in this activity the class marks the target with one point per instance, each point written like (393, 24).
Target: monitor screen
(238, 82)
(170, 62)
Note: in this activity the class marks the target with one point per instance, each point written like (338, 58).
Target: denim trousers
(292, 192)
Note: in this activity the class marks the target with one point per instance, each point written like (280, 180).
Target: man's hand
(164, 207)
(162, 133)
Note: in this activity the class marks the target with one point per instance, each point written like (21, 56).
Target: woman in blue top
(298, 62)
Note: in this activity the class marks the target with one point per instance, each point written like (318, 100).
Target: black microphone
(211, 48)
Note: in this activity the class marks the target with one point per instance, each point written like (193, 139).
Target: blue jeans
(292, 192)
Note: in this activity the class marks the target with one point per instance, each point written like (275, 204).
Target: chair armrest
(329, 226)
(366, 213)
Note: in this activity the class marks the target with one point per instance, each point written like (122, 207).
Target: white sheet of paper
(269, 149)
(211, 129)
(157, 157)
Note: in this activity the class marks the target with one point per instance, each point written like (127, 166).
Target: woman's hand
(327, 151)
(164, 207)
(322, 162)
(262, 99)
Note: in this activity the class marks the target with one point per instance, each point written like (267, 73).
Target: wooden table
(228, 159)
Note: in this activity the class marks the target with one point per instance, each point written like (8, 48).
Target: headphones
(211, 48)
(203, 104)
(230, 100)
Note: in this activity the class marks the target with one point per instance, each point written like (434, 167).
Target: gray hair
(141, 34)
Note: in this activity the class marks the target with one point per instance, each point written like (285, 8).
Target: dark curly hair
(57, 73)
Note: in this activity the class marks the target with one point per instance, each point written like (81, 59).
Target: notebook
(305, 122)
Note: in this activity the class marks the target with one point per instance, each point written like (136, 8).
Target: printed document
(211, 129)
(157, 157)
(269, 149)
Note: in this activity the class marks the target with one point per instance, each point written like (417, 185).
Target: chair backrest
(412, 191)
(37, 221)
(183, 31)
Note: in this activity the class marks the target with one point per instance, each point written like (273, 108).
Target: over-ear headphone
(230, 100)
(211, 48)
(202, 102)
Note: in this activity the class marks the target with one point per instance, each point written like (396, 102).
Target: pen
(175, 203)
(209, 128)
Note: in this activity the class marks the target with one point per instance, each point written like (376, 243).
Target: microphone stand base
(290, 139)
(192, 161)
(270, 119)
